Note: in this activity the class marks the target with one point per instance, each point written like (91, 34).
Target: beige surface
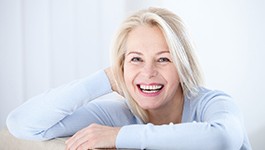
(9, 142)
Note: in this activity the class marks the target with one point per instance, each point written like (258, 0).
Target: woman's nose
(149, 70)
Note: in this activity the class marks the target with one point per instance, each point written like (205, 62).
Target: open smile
(151, 89)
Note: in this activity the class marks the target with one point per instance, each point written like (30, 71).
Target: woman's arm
(217, 125)
(36, 117)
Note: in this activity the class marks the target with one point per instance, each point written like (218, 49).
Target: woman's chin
(148, 106)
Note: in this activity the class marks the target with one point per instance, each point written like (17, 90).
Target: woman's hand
(112, 81)
(93, 136)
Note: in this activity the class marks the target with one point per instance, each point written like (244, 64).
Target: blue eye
(163, 59)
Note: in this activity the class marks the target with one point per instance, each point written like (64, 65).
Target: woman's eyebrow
(162, 52)
(134, 52)
(139, 53)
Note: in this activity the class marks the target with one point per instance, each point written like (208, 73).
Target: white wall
(46, 43)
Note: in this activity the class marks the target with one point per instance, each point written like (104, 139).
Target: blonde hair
(180, 48)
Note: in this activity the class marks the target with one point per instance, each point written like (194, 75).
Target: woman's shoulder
(210, 102)
(204, 93)
(205, 96)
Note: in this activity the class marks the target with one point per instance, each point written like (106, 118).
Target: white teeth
(151, 87)
(149, 91)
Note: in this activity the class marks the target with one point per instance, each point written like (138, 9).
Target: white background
(45, 43)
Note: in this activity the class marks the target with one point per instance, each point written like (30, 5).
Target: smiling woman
(151, 76)
(165, 105)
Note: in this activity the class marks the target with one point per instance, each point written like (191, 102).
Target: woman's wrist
(111, 79)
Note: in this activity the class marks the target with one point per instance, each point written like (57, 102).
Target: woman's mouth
(152, 89)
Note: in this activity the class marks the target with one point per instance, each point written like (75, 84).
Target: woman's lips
(153, 89)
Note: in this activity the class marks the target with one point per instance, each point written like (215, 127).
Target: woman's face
(150, 75)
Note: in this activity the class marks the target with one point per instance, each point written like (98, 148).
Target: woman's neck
(170, 113)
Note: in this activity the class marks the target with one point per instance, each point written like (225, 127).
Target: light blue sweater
(211, 120)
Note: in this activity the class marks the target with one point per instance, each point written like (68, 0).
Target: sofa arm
(9, 142)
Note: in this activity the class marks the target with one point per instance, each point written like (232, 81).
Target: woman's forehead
(146, 38)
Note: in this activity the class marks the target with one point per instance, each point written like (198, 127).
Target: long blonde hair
(180, 48)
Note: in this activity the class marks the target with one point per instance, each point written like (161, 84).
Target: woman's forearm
(36, 116)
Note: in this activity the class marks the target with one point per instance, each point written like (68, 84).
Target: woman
(165, 105)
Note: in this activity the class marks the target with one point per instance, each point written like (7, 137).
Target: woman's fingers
(93, 136)
(78, 139)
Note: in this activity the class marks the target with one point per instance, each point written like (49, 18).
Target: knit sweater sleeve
(43, 117)
(214, 123)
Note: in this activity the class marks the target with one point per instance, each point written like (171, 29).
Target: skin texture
(148, 62)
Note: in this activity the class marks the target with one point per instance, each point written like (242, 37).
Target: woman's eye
(136, 59)
(163, 59)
